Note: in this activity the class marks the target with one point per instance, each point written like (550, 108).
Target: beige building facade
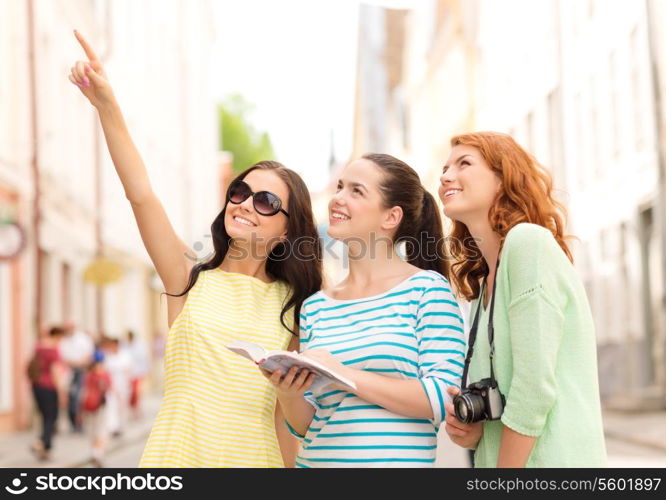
(156, 54)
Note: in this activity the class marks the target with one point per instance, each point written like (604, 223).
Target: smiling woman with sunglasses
(218, 410)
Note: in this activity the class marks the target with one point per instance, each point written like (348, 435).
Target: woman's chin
(236, 230)
(338, 233)
(451, 213)
(239, 235)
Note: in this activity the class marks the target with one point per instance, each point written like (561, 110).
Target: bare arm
(290, 389)
(515, 448)
(166, 250)
(404, 397)
(288, 443)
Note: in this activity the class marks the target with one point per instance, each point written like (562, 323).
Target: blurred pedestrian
(119, 366)
(139, 357)
(45, 371)
(77, 349)
(96, 387)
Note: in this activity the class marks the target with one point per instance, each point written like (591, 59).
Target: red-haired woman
(534, 348)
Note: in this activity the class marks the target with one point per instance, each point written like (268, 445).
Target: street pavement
(633, 439)
(74, 449)
(621, 454)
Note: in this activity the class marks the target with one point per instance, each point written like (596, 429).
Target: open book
(284, 360)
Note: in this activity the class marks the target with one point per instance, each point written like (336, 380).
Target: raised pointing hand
(90, 77)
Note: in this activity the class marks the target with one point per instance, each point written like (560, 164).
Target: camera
(479, 401)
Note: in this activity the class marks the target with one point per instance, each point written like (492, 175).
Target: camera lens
(469, 408)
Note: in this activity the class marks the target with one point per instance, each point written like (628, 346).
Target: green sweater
(545, 356)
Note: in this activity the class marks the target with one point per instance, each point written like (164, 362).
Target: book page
(248, 350)
(284, 360)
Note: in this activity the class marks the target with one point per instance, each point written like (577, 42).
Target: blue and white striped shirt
(414, 330)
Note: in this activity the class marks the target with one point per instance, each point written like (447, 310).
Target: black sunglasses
(264, 202)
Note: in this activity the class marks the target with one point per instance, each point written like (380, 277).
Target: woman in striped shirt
(217, 409)
(392, 326)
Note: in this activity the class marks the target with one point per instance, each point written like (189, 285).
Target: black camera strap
(491, 326)
(472, 337)
(475, 327)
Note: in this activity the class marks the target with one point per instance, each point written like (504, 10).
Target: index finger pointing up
(86, 46)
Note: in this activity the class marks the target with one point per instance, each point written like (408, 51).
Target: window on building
(66, 291)
(555, 137)
(606, 280)
(648, 234)
(594, 109)
(615, 105)
(44, 260)
(402, 116)
(529, 131)
(431, 27)
(625, 280)
(586, 267)
(637, 95)
(581, 159)
(604, 249)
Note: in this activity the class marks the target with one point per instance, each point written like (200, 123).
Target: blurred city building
(578, 83)
(57, 181)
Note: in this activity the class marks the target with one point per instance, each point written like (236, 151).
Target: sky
(295, 60)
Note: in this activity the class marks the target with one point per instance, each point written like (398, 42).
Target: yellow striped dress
(218, 409)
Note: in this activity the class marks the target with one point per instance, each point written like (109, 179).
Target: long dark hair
(421, 225)
(302, 271)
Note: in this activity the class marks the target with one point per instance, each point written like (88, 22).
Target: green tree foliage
(239, 136)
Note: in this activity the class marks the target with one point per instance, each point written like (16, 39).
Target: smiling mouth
(450, 192)
(340, 217)
(244, 221)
